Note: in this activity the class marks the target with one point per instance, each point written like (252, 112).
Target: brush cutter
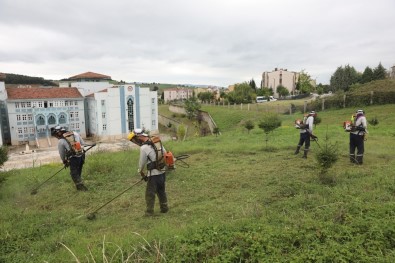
(181, 158)
(92, 215)
(34, 191)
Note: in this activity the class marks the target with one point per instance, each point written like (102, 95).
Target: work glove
(66, 163)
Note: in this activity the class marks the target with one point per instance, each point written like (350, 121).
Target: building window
(51, 120)
(24, 117)
(66, 103)
(62, 119)
(30, 117)
(104, 127)
(153, 101)
(103, 115)
(153, 122)
(18, 117)
(103, 102)
(28, 104)
(77, 125)
(40, 120)
(23, 105)
(40, 104)
(20, 131)
(16, 105)
(76, 103)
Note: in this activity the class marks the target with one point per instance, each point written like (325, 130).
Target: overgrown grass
(237, 202)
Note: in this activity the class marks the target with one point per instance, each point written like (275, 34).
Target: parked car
(260, 99)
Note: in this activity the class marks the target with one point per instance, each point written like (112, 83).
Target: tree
(243, 93)
(282, 91)
(266, 92)
(379, 72)
(249, 125)
(252, 84)
(343, 78)
(367, 75)
(206, 96)
(191, 107)
(304, 83)
(269, 123)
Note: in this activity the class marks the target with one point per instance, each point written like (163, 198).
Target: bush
(3, 155)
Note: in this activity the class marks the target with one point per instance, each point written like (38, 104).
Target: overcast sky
(213, 42)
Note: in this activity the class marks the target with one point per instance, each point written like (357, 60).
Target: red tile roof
(90, 75)
(43, 93)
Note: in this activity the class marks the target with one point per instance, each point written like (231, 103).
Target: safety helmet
(133, 136)
(55, 130)
(312, 113)
(360, 112)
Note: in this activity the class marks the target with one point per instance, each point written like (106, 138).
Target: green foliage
(304, 83)
(367, 75)
(252, 84)
(266, 92)
(216, 131)
(206, 96)
(243, 93)
(379, 72)
(269, 123)
(249, 125)
(327, 156)
(3, 155)
(360, 96)
(282, 91)
(236, 202)
(192, 107)
(22, 79)
(343, 78)
(181, 131)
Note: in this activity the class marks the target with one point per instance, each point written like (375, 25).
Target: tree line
(25, 80)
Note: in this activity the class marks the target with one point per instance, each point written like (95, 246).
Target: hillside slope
(239, 201)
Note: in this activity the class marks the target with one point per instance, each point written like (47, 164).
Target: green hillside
(239, 201)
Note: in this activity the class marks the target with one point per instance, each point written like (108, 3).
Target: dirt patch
(20, 157)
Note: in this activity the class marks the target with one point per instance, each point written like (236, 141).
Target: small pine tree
(269, 123)
(249, 125)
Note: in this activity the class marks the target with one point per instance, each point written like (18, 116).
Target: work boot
(359, 159)
(81, 187)
(149, 213)
(164, 208)
(352, 158)
(305, 154)
(297, 150)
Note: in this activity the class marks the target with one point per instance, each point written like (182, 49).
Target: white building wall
(3, 97)
(273, 79)
(107, 119)
(87, 87)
